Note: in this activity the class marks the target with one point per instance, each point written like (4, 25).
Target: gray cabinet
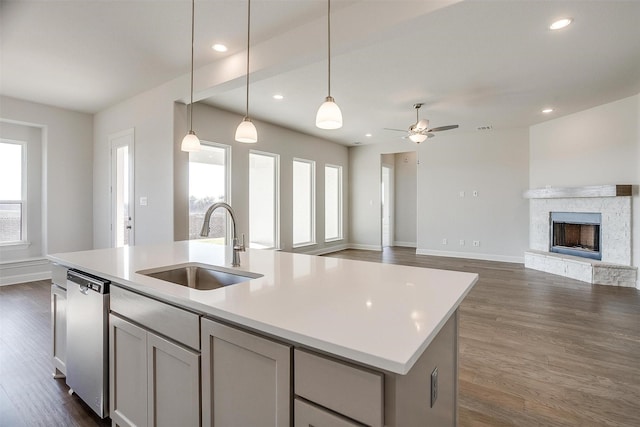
(153, 381)
(245, 378)
(59, 320)
(59, 330)
(154, 362)
(307, 414)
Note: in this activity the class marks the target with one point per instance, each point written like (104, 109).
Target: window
(13, 192)
(303, 202)
(208, 184)
(332, 202)
(263, 200)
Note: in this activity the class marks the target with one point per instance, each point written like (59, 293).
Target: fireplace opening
(576, 233)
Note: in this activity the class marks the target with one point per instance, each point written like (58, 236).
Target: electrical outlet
(461, 242)
(434, 386)
(143, 201)
(476, 243)
(444, 241)
(461, 194)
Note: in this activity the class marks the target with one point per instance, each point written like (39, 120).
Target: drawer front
(308, 415)
(349, 390)
(172, 322)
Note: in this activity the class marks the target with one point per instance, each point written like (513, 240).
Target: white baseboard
(325, 250)
(472, 255)
(405, 244)
(365, 247)
(29, 270)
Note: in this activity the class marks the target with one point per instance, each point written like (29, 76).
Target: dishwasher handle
(88, 282)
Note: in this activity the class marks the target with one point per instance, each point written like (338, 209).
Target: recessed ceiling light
(368, 135)
(547, 110)
(219, 47)
(278, 96)
(560, 23)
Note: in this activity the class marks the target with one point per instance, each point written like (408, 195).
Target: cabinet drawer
(308, 415)
(180, 325)
(349, 390)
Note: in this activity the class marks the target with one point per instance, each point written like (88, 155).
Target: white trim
(470, 255)
(326, 250)
(405, 244)
(114, 144)
(32, 273)
(377, 248)
(312, 197)
(340, 235)
(276, 201)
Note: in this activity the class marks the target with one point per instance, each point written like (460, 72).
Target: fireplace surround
(613, 205)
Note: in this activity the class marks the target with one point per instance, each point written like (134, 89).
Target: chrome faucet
(237, 246)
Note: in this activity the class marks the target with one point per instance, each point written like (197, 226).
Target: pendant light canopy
(246, 131)
(329, 115)
(191, 142)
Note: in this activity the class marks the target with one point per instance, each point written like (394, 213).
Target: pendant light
(329, 115)
(246, 131)
(191, 142)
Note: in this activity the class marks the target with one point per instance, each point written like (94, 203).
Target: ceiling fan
(419, 131)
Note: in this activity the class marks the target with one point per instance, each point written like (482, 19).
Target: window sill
(335, 239)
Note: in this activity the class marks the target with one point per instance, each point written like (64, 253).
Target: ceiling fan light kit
(329, 115)
(420, 131)
(191, 142)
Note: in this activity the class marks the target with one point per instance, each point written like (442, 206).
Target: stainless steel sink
(199, 276)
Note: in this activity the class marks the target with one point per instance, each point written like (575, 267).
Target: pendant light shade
(191, 142)
(329, 115)
(246, 131)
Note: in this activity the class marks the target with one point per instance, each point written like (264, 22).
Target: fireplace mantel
(571, 192)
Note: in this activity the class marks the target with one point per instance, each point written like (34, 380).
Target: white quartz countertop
(380, 315)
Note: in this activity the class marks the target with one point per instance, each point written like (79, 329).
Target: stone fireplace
(583, 233)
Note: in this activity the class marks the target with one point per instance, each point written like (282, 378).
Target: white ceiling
(472, 63)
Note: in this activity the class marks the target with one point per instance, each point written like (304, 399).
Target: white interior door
(122, 194)
(386, 197)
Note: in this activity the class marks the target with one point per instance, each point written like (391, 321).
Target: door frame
(116, 140)
(390, 203)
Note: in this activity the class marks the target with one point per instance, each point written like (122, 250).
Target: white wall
(67, 171)
(493, 163)
(406, 192)
(60, 215)
(212, 124)
(593, 147)
(151, 115)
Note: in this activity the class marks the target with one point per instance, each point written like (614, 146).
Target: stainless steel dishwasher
(87, 339)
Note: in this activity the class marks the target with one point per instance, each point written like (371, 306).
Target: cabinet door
(127, 373)
(174, 384)
(59, 330)
(245, 378)
(309, 415)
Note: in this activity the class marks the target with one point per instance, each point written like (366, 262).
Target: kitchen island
(347, 329)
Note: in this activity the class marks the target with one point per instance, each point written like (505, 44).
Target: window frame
(23, 194)
(276, 201)
(312, 201)
(340, 218)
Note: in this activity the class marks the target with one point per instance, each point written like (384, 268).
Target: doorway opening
(386, 198)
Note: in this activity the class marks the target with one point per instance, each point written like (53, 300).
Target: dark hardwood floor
(535, 350)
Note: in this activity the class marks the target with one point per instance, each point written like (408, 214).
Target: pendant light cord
(329, 45)
(248, 45)
(193, 7)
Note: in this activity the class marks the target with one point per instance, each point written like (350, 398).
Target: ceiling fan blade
(430, 135)
(397, 130)
(441, 128)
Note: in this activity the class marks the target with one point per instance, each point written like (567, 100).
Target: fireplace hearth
(576, 233)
